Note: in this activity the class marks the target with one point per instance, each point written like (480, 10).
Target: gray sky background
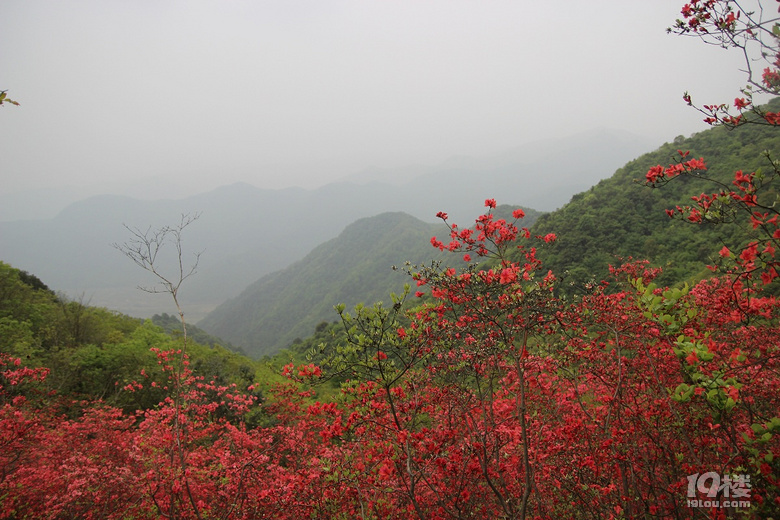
(171, 98)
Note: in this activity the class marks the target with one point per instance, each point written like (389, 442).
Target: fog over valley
(246, 232)
(166, 100)
(281, 123)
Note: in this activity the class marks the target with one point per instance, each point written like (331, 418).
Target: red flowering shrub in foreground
(493, 399)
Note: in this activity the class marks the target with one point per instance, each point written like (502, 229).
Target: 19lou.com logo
(726, 491)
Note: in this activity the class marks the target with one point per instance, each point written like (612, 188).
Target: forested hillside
(246, 232)
(616, 219)
(356, 267)
(620, 217)
(95, 353)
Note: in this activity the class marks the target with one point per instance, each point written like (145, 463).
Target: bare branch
(144, 247)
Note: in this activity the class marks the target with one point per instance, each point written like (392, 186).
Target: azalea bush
(478, 392)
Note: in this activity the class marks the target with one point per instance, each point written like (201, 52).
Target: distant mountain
(534, 168)
(355, 267)
(542, 175)
(246, 232)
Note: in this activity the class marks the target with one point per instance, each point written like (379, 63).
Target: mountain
(541, 166)
(619, 217)
(541, 175)
(616, 218)
(246, 232)
(355, 267)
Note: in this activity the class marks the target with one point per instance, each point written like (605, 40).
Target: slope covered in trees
(356, 267)
(618, 218)
(92, 353)
(247, 232)
(621, 218)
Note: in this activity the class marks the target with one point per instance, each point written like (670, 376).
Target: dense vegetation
(356, 267)
(620, 218)
(172, 325)
(248, 232)
(92, 353)
(617, 219)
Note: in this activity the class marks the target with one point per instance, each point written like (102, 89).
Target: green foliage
(373, 348)
(94, 353)
(355, 267)
(352, 268)
(172, 325)
(621, 218)
(5, 99)
(25, 313)
(307, 349)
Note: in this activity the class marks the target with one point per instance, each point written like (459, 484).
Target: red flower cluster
(659, 173)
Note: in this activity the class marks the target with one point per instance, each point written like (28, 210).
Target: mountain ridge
(248, 232)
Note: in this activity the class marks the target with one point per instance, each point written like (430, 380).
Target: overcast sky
(184, 96)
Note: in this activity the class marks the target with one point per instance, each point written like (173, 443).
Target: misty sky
(169, 98)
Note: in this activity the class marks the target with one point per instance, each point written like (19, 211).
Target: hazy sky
(195, 94)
